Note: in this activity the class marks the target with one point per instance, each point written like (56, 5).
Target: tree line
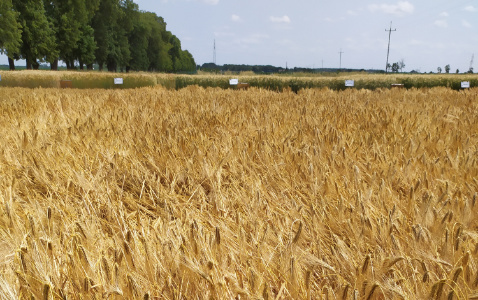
(268, 69)
(115, 34)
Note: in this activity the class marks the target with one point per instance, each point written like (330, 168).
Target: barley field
(280, 82)
(205, 193)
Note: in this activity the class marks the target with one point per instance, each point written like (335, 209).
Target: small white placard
(349, 83)
(465, 84)
(118, 80)
(233, 81)
(0, 77)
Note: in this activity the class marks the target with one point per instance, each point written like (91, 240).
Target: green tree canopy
(113, 33)
(70, 20)
(447, 69)
(10, 30)
(38, 41)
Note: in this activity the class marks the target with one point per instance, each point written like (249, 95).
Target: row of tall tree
(115, 34)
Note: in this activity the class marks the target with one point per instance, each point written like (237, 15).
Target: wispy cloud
(283, 19)
(255, 38)
(399, 9)
(470, 8)
(444, 14)
(210, 2)
(466, 24)
(223, 34)
(441, 23)
(236, 18)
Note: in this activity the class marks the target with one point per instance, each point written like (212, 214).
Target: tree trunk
(11, 63)
(111, 66)
(36, 65)
(29, 64)
(89, 67)
(54, 65)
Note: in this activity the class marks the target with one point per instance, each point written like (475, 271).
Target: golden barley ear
(345, 293)
(297, 234)
(372, 291)
(218, 236)
(437, 289)
(366, 264)
(46, 291)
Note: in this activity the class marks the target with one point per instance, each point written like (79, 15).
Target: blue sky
(311, 33)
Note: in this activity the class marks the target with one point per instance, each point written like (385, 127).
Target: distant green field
(21, 68)
(104, 80)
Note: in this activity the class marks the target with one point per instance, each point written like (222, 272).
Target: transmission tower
(340, 63)
(214, 53)
(388, 50)
(470, 70)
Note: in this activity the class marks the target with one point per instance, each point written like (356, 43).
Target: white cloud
(236, 18)
(223, 34)
(256, 38)
(352, 13)
(470, 8)
(466, 24)
(444, 14)
(441, 23)
(399, 9)
(210, 2)
(415, 42)
(283, 19)
(285, 42)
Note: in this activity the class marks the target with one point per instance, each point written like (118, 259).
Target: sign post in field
(66, 84)
(349, 83)
(465, 84)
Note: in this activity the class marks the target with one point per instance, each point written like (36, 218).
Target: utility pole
(340, 66)
(388, 50)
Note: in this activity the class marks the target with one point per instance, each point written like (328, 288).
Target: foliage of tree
(401, 64)
(115, 34)
(10, 31)
(70, 19)
(38, 40)
(395, 67)
(439, 69)
(447, 69)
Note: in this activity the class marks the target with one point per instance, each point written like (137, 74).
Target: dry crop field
(221, 194)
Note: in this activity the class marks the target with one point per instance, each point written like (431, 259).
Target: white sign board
(118, 80)
(233, 81)
(349, 83)
(465, 84)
